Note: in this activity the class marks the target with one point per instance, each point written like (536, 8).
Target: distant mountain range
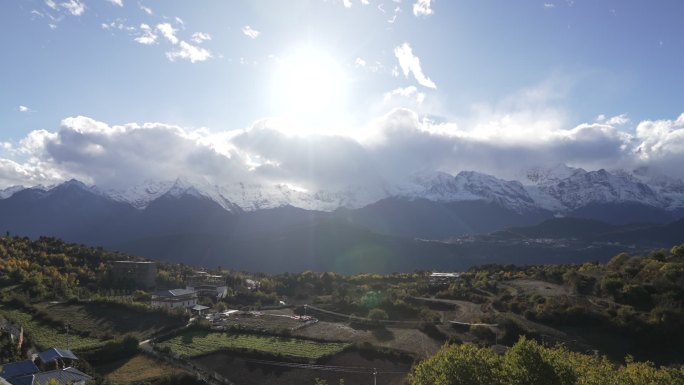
(378, 228)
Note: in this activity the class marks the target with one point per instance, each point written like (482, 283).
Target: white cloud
(365, 2)
(189, 52)
(500, 140)
(661, 140)
(96, 152)
(24, 109)
(347, 3)
(250, 32)
(148, 36)
(117, 2)
(549, 5)
(199, 37)
(145, 9)
(51, 4)
(410, 63)
(75, 7)
(422, 8)
(359, 62)
(167, 30)
(618, 120)
(410, 92)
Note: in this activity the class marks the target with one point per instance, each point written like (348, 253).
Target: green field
(196, 342)
(104, 320)
(46, 336)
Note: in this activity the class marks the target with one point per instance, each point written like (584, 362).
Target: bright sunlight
(309, 88)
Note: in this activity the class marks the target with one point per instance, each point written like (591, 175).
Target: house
(175, 298)
(66, 376)
(437, 278)
(208, 285)
(142, 273)
(54, 358)
(27, 373)
(198, 309)
(17, 369)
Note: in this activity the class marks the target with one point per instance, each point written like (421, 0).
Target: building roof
(445, 275)
(55, 353)
(20, 368)
(174, 293)
(136, 262)
(63, 377)
(199, 308)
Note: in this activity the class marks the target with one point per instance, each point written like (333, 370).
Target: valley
(302, 326)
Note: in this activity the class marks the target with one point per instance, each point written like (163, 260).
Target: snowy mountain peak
(551, 174)
(9, 191)
(575, 188)
(559, 189)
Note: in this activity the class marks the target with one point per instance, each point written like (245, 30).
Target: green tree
(377, 315)
(459, 365)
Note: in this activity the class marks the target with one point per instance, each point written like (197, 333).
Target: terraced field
(197, 342)
(46, 336)
(105, 320)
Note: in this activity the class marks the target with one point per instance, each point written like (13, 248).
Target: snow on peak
(559, 189)
(575, 188)
(9, 191)
(466, 186)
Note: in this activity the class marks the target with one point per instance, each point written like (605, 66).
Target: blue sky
(440, 85)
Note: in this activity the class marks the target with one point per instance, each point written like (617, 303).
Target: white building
(208, 285)
(175, 298)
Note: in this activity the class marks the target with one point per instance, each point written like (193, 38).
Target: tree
(377, 315)
(458, 364)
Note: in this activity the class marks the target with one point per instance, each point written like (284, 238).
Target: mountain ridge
(561, 190)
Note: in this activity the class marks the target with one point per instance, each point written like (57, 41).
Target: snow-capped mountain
(467, 186)
(9, 191)
(140, 196)
(579, 188)
(559, 189)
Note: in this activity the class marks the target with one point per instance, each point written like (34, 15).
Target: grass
(46, 336)
(107, 321)
(196, 342)
(135, 369)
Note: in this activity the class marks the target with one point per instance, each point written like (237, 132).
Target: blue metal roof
(20, 368)
(63, 377)
(55, 353)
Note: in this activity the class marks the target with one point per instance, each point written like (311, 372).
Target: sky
(330, 93)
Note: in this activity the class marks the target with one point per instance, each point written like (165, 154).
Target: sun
(309, 89)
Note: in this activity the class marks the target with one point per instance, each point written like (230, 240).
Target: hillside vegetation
(585, 323)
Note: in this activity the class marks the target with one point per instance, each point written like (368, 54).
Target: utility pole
(375, 376)
(305, 309)
(67, 336)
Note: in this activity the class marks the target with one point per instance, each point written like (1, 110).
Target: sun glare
(309, 90)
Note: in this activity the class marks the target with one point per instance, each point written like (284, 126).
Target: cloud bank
(395, 145)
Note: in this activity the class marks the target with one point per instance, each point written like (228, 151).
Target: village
(206, 329)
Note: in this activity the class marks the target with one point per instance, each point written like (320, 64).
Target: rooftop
(56, 353)
(62, 376)
(174, 293)
(21, 368)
